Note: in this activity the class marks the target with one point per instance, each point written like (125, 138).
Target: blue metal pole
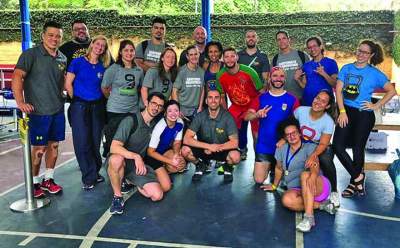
(206, 17)
(25, 24)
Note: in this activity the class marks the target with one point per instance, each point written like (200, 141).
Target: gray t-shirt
(152, 52)
(214, 131)
(154, 83)
(124, 84)
(44, 80)
(296, 165)
(136, 141)
(189, 85)
(258, 61)
(290, 63)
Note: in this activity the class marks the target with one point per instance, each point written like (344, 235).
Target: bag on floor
(377, 142)
(394, 173)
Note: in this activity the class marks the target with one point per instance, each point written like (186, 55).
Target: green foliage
(342, 29)
(396, 41)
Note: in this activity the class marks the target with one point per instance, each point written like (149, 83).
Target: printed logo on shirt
(129, 88)
(211, 85)
(61, 67)
(99, 75)
(351, 88)
(308, 133)
(153, 56)
(284, 106)
(193, 83)
(289, 65)
(219, 130)
(79, 53)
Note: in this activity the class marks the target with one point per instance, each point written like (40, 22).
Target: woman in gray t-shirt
(120, 85)
(161, 78)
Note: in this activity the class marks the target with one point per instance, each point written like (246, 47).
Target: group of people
(157, 117)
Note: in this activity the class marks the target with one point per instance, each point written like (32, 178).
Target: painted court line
(382, 217)
(96, 229)
(27, 240)
(299, 235)
(10, 150)
(22, 184)
(101, 239)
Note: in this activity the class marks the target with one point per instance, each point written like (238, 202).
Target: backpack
(134, 128)
(300, 53)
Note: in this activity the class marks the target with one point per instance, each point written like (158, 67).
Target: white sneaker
(306, 224)
(335, 199)
(328, 207)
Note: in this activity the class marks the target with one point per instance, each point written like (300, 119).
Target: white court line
(21, 184)
(299, 235)
(101, 239)
(100, 224)
(382, 217)
(10, 150)
(27, 240)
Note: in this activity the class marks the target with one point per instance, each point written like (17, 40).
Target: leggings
(354, 135)
(328, 167)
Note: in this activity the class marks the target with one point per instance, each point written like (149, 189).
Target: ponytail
(376, 50)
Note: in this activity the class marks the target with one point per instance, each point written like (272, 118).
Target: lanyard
(291, 158)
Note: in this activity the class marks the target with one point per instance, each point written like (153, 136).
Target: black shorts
(265, 158)
(218, 156)
(153, 163)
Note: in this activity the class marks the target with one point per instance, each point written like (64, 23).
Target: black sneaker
(208, 167)
(117, 205)
(198, 174)
(99, 179)
(87, 186)
(228, 176)
(126, 187)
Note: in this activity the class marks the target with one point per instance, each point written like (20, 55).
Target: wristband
(342, 110)
(273, 186)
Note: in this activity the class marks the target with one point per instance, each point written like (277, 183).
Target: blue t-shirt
(163, 137)
(312, 130)
(88, 77)
(360, 83)
(282, 107)
(316, 82)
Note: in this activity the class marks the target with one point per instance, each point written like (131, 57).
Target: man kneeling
(217, 139)
(307, 188)
(128, 148)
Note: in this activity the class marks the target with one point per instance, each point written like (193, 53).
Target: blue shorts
(45, 128)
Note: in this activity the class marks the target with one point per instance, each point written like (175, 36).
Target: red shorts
(238, 113)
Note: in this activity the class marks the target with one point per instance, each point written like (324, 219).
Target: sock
(36, 180)
(49, 174)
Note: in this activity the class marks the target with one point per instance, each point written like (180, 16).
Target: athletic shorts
(218, 156)
(45, 128)
(238, 113)
(153, 163)
(140, 181)
(326, 190)
(265, 158)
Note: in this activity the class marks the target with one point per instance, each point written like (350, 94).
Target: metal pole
(29, 203)
(206, 17)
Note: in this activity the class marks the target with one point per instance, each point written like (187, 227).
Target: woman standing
(161, 78)
(83, 83)
(120, 85)
(212, 65)
(356, 83)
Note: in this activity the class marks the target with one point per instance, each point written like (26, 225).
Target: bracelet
(273, 186)
(342, 110)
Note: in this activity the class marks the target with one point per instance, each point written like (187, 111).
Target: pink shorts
(326, 190)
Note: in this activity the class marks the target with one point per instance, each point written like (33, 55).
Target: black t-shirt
(73, 50)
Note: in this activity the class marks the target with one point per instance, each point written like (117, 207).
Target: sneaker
(87, 186)
(117, 205)
(335, 199)
(99, 179)
(208, 167)
(50, 186)
(306, 224)
(198, 174)
(126, 187)
(228, 176)
(220, 169)
(37, 191)
(328, 207)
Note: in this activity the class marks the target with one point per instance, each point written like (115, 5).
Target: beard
(251, 46)
(230, 67)
(83, 41)
(277, 87)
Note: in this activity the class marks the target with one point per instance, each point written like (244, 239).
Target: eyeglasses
(359, 51)
(156, 105)
(292, 134)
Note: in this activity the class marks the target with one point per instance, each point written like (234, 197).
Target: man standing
(290, 60)
(76, 47)
(253, 57)
(271, 108)
(148, 51)
(217, 138)
(37, 84)
(242, 84)
(200, 37)
(128, 149)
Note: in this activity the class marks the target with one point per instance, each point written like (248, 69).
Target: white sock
(49, 174)
(36, 180)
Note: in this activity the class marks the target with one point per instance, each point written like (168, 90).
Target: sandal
(350, 191)
(360, 185)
